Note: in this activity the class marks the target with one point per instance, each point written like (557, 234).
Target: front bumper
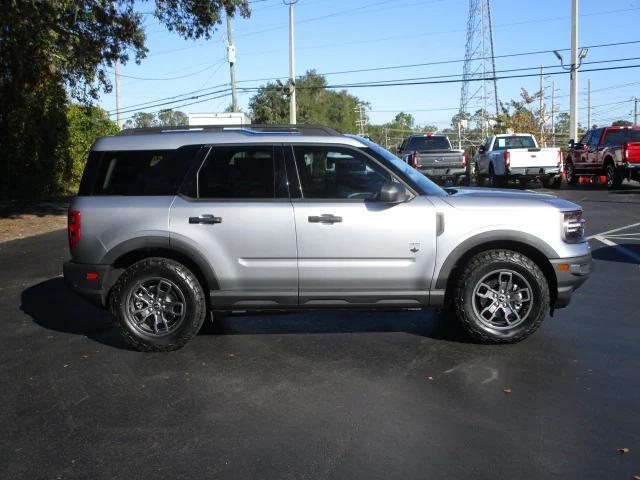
(91, 281)
(570, 278)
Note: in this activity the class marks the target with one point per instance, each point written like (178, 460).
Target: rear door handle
(325, 218)
(206, 219)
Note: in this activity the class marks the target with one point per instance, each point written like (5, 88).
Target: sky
(334, 36)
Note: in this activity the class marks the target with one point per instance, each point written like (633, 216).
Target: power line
(154, 79)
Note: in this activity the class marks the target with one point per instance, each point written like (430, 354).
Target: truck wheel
(495, 181)
(501, 296)
(570, 174)
(614, 178)
(552, 181)
(158, 305)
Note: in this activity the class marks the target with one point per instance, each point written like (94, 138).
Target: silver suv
(171, 226)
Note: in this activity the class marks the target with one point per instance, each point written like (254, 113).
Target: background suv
(169, 225)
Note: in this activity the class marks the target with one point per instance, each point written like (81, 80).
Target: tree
(164, 118)
(404, 120)
(49, 49)
(622, 123)
(172, 118)
(315, 104)
(84, 124)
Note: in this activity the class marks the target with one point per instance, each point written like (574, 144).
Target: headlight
(573, 226)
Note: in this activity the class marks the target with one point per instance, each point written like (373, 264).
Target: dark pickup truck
(432, 155)
(612, 152)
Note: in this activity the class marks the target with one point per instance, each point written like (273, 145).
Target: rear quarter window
(137, 172)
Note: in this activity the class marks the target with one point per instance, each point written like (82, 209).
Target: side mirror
(572, 143)
(391, 192)
(398, 149)
(482, 149)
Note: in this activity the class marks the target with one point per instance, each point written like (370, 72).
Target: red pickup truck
(612, 152)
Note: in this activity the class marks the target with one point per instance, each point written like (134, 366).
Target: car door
(581, 155)
(353, 249)
(234, 209)
(485, 157)
(594, 150)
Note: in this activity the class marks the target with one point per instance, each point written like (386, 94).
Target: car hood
(503, 199)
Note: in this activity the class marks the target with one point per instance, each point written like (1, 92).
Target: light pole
(292, 68)
(573, 94)
(231, 56)
(576, 61)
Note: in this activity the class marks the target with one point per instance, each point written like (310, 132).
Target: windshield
(424, 185)
(424, 144)
(618, 137)
(525, 141)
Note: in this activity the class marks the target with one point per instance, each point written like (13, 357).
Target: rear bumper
(571, 278)
(79, 277)
(534, 171)
(443, 172)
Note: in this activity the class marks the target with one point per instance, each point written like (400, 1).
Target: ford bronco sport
(170, 226)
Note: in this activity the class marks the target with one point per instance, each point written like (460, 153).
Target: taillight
(507, 159)
(413, 161)
(625, 151)
(465, 157)
(73, 228)
(559, 164)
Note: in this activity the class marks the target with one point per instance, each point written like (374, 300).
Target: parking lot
(325, 394)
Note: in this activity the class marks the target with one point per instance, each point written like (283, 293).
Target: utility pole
(553, 113)
(292, 68)
(361, 123)
(118, 114)
(573, 94)
(589, 104)
(635, 110)
(541, 103)
(231, 56)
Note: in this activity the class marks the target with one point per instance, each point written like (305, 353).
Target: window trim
(302, 198)
(210, 148)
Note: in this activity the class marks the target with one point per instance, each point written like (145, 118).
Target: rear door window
(243, 172)
(137, 172)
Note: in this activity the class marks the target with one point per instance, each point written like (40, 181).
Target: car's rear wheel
(495, 181)
(552, 182)
(501, 296)
(158, 304)
(614, 178)
(570, 174)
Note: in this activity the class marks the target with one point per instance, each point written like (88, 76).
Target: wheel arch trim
(500, 238)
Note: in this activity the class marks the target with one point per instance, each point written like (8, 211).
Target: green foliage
(164, 118)
(85, 124)
(51, 49)
(315, 104)
(622, 123)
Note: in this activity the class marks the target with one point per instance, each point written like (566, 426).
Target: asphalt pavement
(325, 395)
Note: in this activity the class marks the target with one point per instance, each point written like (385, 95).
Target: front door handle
(325, 218)
(206, 219)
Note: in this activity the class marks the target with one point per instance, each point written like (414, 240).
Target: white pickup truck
(518, 156)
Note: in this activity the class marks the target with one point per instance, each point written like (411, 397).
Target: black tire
(175, 285)
(468, 297)
(570, 173)
(614, 177)
(552, 182)
(495, 181)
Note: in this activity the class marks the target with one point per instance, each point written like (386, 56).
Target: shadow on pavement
(616, 254)
(53, 306)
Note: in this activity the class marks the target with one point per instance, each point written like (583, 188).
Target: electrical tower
(361, 121)
(479, 92)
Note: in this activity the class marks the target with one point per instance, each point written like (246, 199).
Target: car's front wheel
(158, 304)
(501, 296)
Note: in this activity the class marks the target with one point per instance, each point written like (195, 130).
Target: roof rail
(317, 130)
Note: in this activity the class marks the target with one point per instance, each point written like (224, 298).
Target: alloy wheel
(156, 307)
(502, 299)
